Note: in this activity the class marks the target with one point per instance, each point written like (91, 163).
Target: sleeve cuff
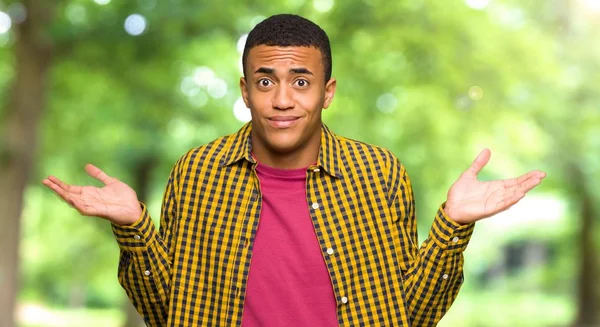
(137, 236)
(448, 234)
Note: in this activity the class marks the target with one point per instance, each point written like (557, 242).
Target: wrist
(131, 218)
(451, 214)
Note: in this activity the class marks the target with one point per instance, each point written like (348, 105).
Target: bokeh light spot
(217, 88)
(5, 22)
(76, 14)
(323, 5)
(189, 87)
(387, 103)
(17, 12)
(135, 24)
(477, 4)
(241, 112)
(203, 75)
(241, 43)
(475, 93)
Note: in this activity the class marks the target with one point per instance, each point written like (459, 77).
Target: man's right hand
(116, 201)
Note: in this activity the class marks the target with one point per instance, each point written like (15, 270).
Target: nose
(283, 98)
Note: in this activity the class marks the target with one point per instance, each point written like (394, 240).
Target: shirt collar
(240, 147)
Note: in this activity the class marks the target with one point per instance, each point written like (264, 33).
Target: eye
(302, 83)
(264, 82)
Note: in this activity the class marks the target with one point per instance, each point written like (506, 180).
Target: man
(285, 223)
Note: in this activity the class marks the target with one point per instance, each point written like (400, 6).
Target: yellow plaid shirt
(193, 270)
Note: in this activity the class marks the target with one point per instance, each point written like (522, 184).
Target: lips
(283, 118)
(282, 121)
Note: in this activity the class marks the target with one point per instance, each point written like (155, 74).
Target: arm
(432, 273)
(146, 258)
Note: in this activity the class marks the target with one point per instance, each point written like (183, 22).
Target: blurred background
(132, 85)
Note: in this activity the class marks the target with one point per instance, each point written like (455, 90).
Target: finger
(63, 194)
(69, 188)
(482, 159)
(517, 182)
(529, 184)
(98, 174)
(73, 200)
(532, 174)
(526, 186)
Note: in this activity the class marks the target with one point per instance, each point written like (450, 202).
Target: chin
(284, 146)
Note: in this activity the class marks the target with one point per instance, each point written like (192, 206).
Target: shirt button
(147, 272)
(455, 239)
(445, 276)
(136, 237)
(316, 170)
(344, 299)
(315, 205)
(329, 251)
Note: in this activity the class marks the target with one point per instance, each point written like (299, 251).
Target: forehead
(265, 55)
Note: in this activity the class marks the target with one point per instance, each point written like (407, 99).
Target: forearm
(436, 274)
(144, 268)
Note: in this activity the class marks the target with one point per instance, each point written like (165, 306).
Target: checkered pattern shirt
(193, 270)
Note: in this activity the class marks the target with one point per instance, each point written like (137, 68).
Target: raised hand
(116, 201)
(470, 200)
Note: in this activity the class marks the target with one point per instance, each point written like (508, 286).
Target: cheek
(258, 100)
(311, 100)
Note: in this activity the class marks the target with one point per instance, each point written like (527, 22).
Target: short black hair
(287, 30)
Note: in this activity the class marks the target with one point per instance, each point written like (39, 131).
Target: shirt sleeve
(432, 273)
(145, 260)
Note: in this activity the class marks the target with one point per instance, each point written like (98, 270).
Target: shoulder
(205, 156)
(361, 152)
(380, 164)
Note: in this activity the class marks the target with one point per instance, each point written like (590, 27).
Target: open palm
(470, 200)
(116, 201)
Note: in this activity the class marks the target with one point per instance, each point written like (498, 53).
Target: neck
(302, 157)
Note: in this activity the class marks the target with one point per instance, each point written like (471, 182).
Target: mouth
(283, 121)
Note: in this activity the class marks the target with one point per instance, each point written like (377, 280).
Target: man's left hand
(470, 200)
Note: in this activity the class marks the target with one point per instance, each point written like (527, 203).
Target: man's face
(285, 91)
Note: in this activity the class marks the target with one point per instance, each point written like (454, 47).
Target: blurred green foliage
(434, 81)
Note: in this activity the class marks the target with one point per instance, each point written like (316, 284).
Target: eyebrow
(301, 70)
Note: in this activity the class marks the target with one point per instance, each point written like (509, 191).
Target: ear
(244, 90)
(329, 92)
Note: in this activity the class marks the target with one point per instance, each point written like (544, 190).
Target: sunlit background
(132, 85)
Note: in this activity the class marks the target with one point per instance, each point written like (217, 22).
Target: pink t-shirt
(288, 284)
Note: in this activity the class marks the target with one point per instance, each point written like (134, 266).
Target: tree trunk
(588, 299)
(33, 53)
(141, 171)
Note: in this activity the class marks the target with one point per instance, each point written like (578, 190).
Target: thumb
(482, 159)
(98, 174)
